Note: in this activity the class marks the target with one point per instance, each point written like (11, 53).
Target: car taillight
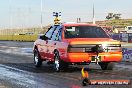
(75, 50)
(89, 48)
(113, 48)
(72, 49)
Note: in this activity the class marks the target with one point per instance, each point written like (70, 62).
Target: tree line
(113, 16)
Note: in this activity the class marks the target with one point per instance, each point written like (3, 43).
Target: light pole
(93, 15)
(41, 14)
(10, 10)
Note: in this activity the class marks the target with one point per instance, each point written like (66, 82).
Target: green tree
(113, 16)
(117, 16)
(109, 16)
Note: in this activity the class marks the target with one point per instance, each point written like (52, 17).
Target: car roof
(78, 24)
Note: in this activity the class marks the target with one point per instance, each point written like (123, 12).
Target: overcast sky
(26, 13)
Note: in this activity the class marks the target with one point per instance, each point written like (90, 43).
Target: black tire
(64, 65)
(37, 59)
(58, 63)
(106, 65)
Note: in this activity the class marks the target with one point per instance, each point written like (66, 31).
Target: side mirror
(43, 37)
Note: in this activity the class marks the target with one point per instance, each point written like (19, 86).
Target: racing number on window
(58, 38)
(50, 32)
(56, 34)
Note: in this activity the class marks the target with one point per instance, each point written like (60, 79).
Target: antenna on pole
(93, 15)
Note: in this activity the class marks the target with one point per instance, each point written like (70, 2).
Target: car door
(49, 42)
(61, 45)
(57, 43)
(53, 43)
(45, 43)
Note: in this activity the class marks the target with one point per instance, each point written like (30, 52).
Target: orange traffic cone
(85, 77)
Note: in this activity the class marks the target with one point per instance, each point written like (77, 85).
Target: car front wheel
(37, 59)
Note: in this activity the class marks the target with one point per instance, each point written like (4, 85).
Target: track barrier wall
(18, 37)
(127, 54)
(123, 37)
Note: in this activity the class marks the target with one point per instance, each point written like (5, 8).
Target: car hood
(92, 41)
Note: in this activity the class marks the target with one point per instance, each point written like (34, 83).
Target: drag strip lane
(29, 80)
(16, 58)
(29, 76)
(26, 75)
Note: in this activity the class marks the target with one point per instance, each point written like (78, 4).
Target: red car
(76, 43)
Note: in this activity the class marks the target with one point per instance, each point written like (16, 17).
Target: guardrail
(18, 37)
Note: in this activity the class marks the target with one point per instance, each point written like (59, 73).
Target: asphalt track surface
(18, 71)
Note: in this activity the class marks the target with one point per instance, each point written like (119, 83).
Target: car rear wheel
(106, 65)
(58, 63)
(37, 59)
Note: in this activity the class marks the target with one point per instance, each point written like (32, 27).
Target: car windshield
(85, 32)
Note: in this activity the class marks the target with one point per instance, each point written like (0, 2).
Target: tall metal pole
(41, 14)
(10, 9)
(93, 15)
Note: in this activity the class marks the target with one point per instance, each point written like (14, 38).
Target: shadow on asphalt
(49, 68)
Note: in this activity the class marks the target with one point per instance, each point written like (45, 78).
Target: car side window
(56, 33)
(50, 32)
(59, 35)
